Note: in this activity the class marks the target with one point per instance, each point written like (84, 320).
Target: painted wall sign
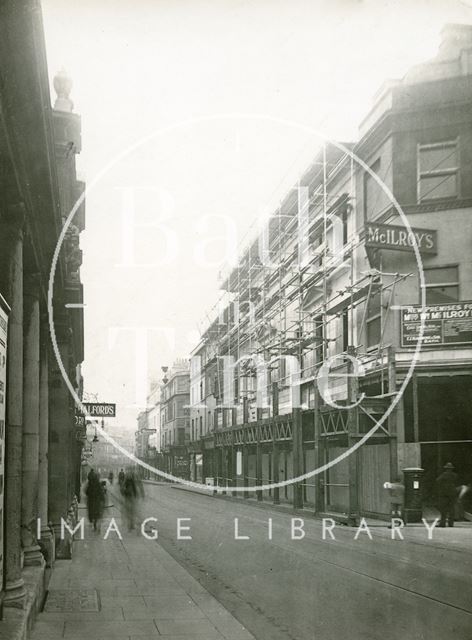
(397, 238)
(444, 324)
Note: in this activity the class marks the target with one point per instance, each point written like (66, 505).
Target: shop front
(438, 417)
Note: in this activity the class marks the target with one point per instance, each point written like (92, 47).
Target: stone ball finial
(63, 85)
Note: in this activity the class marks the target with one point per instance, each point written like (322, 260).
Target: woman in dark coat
(95, 500)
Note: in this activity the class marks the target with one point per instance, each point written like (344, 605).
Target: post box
(413, 494)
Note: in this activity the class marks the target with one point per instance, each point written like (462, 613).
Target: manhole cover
(85, 600)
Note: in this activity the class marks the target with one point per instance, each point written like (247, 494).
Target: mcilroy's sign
(396, 238)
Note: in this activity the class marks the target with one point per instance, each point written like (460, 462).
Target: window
(442, 284)
(345, 329)
(372, 190)
(319, 338)
(201, 426)
(438, 171)
(374, 317)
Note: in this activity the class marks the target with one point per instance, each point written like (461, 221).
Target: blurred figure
(121, 478)
(95, 500)
(91, 474)
(110, 477)
(131, 490)
(447, 484)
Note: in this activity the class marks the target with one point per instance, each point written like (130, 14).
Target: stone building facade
(39, 186)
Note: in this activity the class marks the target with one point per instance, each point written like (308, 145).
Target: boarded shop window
(438, 171)
(442, 284)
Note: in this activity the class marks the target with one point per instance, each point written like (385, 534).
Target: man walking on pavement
(447, 484)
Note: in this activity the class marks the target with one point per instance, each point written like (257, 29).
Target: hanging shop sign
(96, 410)
(444, 324)
(4, 312)
(100, 409)
(79, 419)
(398, 238)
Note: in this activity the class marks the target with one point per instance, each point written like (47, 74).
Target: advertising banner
(444, 324)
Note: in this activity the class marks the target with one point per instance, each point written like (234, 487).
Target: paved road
(313, 588)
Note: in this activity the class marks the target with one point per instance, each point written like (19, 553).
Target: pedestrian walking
(131, 492)
(121, 477)
(110, 477)
(447, 483)
(91, 474)
(95, 500)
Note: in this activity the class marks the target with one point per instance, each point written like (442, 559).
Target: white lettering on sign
(100, 409)
(394, 237)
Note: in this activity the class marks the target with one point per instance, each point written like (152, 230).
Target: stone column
(11, 286)
(47, 539)
(29, 504)
(59, 471)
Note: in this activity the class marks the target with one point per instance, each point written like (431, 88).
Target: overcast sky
(170, 73)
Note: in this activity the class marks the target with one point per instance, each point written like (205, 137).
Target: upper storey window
(438, 171)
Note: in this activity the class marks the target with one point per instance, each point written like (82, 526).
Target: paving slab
(129, 589)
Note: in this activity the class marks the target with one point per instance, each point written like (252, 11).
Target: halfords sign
(444, 324)
(387, 236)
(100, 409)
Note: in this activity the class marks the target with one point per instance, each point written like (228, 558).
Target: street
(314, 588)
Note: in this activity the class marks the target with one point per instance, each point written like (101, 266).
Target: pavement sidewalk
(129, 589)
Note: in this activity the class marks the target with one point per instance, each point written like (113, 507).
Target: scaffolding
(277, 306)
(284, 308)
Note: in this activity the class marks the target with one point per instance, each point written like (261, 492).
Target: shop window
(438, 171)
(442, 284)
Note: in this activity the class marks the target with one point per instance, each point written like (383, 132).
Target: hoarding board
(444, 324)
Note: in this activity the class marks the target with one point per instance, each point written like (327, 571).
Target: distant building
(174, 424)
